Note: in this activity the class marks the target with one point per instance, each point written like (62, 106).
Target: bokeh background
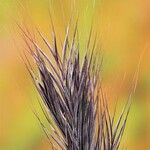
(123, 28)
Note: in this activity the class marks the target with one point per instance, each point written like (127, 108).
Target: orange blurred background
(124, 33)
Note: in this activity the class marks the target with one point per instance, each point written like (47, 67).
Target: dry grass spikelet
(72, 95)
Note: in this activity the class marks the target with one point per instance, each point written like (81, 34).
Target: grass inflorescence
(74, 103)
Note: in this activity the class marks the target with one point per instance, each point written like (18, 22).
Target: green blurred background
(123, 28)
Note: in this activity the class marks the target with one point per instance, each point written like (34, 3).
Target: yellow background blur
(123, 27)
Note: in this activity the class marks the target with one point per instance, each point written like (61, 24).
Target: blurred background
(123, 29)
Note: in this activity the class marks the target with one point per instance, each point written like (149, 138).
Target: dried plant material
(72, 96)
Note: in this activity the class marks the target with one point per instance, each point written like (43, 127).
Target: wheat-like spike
(72, 95)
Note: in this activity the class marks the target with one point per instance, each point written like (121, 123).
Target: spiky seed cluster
(73, 97)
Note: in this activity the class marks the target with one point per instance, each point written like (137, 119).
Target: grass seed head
(72, 95)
